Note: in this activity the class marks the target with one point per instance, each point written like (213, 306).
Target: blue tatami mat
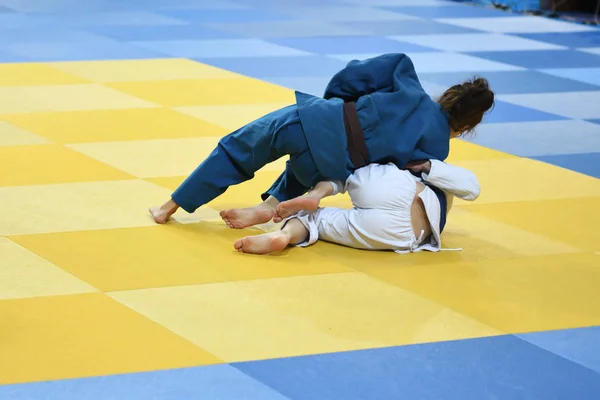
(105, 106)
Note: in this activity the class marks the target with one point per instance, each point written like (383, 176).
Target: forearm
(459, 181)
(324, 189)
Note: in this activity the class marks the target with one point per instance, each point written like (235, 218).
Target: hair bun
(481, 83)
(466, 103)
(477, 91)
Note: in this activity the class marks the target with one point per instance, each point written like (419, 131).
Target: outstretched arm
(461, 182)
(385, 73)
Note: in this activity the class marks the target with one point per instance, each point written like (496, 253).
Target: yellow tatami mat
(89, 285)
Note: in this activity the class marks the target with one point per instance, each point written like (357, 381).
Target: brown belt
(357, 148)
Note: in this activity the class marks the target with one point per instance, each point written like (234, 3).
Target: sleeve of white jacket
(338, 187)
(461, 182)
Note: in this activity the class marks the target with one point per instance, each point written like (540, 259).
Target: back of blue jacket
(399, 120)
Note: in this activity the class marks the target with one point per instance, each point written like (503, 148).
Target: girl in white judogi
(400, 210)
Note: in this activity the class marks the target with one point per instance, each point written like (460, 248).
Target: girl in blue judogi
(373, 111)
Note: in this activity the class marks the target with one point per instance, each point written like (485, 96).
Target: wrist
(427, 167)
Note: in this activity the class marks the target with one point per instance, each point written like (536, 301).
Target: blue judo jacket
(399, 119)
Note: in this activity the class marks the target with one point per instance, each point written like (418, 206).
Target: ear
(455, 134)
(459, 133)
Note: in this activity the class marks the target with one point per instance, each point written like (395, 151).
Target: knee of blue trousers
(286, 186)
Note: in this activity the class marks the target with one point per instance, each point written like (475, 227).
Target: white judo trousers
(382, 196)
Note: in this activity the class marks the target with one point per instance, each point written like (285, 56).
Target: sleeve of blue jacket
(385, 73)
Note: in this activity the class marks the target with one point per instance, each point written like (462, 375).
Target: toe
(238, 245)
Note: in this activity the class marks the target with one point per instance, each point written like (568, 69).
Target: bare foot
(263, 244)
(291, 207)
(239, 218)
(163, 213)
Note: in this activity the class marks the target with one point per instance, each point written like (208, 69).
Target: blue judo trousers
(400, 123)
(243, 152)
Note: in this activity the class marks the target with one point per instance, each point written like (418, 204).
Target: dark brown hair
(466, 103)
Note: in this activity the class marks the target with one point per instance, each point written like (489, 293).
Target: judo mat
(105, 107)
